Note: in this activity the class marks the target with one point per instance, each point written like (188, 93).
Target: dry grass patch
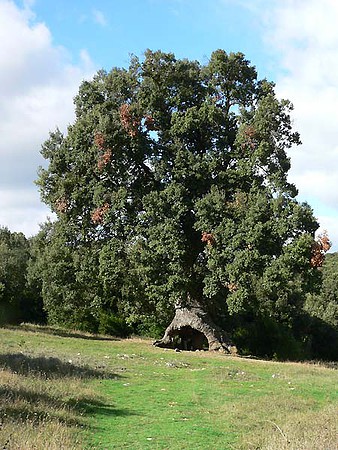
(35, 413)
(43, 401)
(304, 430)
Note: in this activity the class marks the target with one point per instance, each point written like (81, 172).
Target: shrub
(266, 338)
(113, 325)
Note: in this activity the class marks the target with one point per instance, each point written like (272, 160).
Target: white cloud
(37, 84)
(22, 211)
(99, 17)
(302, 36)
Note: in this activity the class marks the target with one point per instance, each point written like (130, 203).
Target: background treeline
(20, 299)
(43, 281)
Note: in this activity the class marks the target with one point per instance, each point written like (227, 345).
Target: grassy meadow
(68, 390)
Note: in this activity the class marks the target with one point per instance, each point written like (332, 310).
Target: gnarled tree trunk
(193, 329)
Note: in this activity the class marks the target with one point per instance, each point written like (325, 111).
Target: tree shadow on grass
(50, 367)
(60, 332)
(25, 405)
(90, 408)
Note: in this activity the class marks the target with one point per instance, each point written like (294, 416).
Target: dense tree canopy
(322, 310)
(171, 191)
(18, 300)
(324, 304)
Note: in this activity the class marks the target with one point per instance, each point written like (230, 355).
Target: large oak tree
(173, 177)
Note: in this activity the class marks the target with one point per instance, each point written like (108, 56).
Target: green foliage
(67, 278)
(113, 325)
(18, 300)
(150, 327)
(171, 185)
(324, 305)
(322, 310)
(267, 338)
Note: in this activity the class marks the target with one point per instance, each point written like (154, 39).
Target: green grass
(63, 390)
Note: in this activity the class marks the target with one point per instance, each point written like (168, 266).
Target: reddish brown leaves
(149, 123)
(208, 238)
(319, 248)
(99, 213)
(105, 157)
(61, 205)
(250, 140)
(129, 123)
(99, 140)
(132, 123)
(232, 287)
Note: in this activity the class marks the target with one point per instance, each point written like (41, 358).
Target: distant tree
(172, 182)
(322, 308)
(65, 277)
(323, 304)
(18, 302)
(71, 282)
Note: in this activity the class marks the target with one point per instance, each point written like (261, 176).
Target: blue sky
(111, 30)
(48, 47)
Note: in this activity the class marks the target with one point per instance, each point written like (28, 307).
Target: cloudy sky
(48, 47)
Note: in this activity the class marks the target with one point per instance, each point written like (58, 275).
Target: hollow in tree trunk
(193, 329)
